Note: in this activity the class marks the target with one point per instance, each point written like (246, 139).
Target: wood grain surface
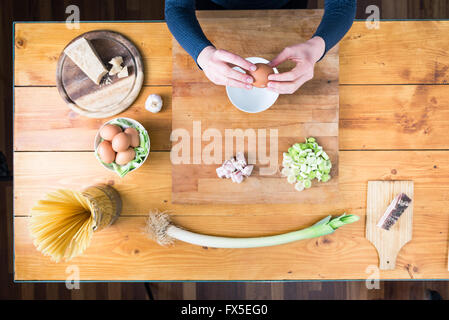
(366, 55)
(123, 251)
(364, 109)
(62, 170)
(412, 116)
(38, 46)
(30, 113)
(407, 115)
(399, 52)
(417, 260)
(312, 111)
(388, 243)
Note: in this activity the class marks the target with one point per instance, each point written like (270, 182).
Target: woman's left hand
(305, 55)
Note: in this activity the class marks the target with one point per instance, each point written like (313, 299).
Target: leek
(161, 229)
(305, 162)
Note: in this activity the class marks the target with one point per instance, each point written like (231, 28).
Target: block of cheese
(83, 54)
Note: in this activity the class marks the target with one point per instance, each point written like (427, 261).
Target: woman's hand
(305, 55)
(217, 66)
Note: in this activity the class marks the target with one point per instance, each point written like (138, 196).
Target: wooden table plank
(150, 186)
(399, 52)
(49, 125)
(366, 55)
(394, 117)
(412, 117)
(123, 252)
(38, 46)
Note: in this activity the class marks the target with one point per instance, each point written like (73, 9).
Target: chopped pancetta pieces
(236, 164)
(221, 172)
(228, 166)
(240, 158)
(237, 176)
(247, 170)
(235, 168)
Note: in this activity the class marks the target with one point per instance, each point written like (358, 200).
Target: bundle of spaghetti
(62, 225)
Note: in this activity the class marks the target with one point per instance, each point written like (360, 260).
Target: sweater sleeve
(182, 22)
(337, 20)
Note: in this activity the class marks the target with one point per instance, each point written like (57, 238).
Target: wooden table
(394, 118)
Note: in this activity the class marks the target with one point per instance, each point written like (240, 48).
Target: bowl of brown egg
(122, 145)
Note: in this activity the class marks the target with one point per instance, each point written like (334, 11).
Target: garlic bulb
(153, 103)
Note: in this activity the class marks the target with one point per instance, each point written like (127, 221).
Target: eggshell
(124, 157)
(134, 135)
(261, 74)
(109, 131)
(105, 152)
(121, 142)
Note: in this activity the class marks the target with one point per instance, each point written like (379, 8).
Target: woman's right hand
(217, 65)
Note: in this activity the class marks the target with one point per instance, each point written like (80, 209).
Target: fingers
(283, 87)
(222, 80)
(237, 84)
(284, 55)
(234, 74)
(220, 72)
(288, 87)
(291, 75)
(235, 59)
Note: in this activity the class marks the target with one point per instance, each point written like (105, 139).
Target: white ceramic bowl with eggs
(254, 100)
(137, 125)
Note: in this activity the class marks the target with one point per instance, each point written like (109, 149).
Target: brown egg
(124, 157)
(134, 135)
(105, 152)
(261, 74)
(109, 131)
(121, 142)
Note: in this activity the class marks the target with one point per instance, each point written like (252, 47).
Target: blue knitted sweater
(182, 22)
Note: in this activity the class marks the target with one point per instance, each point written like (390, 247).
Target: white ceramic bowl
(136, 124)
(254, 100)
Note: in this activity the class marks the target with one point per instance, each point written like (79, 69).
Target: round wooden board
(105, 100)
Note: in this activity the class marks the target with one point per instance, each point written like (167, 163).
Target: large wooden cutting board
(311, 111)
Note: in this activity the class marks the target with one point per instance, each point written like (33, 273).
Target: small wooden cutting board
(388, 243)
(106, 100)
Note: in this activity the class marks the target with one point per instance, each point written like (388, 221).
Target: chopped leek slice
(299, 186)
(307, 183)
(304, 162)
(291, 179)
(286, 172)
